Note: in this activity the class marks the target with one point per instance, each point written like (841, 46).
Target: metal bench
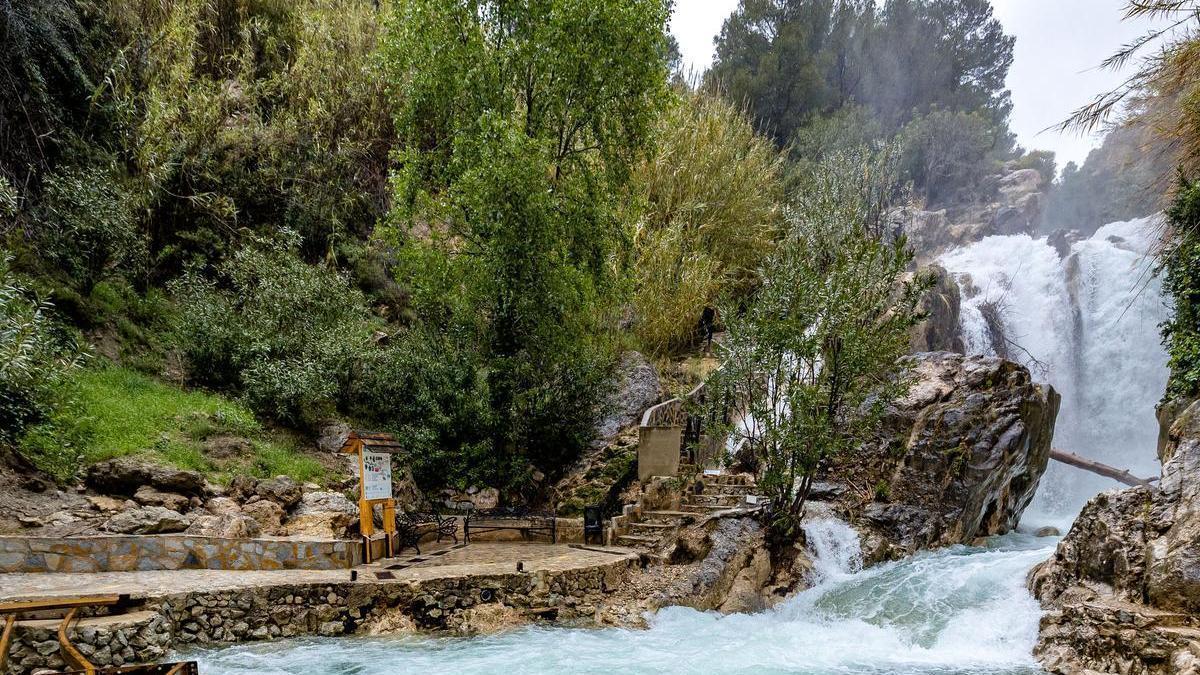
(526, 521)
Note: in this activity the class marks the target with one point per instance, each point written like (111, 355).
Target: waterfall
(834, 545)
(1084, 317)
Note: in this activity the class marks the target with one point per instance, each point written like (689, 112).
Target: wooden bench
(526, 521)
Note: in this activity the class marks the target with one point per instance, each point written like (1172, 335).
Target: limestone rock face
(125, 475)
(637, 388)
(1015, 207)
(148, 496)
(958, 457)
(940, 331)
(267, 514)
(147, 520)
(325, 515)
(1123, 588)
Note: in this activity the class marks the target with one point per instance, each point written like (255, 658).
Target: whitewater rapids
(956, 611)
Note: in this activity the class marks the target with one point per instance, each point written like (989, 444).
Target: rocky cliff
(959, 457)
(1122, 591)
(1013, 206)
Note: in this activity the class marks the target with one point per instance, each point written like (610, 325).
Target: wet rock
(940, 329)
(958, 457)
(228, 526)
(637, 388)
(147, 520)
(1048, 531)
(1131, 558)
(125, 475)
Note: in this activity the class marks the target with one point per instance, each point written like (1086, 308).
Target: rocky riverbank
(1122, 592)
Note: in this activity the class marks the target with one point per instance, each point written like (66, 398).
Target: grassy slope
(119, 412)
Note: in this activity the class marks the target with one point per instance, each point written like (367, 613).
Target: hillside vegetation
(443, 219)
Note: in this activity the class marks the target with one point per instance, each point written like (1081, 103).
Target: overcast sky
(1059, 45)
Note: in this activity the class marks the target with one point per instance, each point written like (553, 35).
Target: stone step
(705, 497)
(677, 515)
(705, 508)
(636, 539)
(654, 526)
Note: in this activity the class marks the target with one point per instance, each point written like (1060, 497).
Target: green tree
(812, 360)
(520, 124)
(791, 60)
(1180, 265)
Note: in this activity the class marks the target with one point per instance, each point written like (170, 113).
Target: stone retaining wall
(461, 604)
(172, 552)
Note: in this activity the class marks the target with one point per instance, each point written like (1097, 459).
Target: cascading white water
(1086, 322)
(958, 611)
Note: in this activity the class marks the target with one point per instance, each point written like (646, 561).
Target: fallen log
(1105, 470)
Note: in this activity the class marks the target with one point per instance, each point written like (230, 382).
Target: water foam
(961, 610)
(1087, 323)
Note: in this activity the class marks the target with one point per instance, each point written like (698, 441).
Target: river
(1087, 325)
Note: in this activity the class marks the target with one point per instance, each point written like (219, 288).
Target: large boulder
(957, 458)
(147, 520)
(322, 515)
(148, 496)
(637, 387)
(227, 526)
(125, 475)
(281, 489)
(1122, 591)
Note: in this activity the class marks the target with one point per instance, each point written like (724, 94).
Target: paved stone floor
(435, 562)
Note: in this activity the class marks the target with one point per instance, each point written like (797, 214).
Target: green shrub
(91, 227)
(283, 333)
(1180, 263)
(36, 358)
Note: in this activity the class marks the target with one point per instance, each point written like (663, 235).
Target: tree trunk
(1105, 470)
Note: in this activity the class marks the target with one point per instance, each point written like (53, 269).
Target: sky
(1060, 43)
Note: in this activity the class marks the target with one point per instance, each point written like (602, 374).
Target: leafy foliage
(283, 333)
(713, 208)
(796, 59)
(1181, 280)
(36, 358)
(519, 127)
(44, 83)
(812, 360)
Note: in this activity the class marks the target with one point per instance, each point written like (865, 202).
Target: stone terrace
(458, 589)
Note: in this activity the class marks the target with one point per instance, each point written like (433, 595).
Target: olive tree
(810, 362)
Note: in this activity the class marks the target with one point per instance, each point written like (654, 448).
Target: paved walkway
(434, 563)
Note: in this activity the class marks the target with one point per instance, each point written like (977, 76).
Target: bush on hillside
(1181, 281)
(35, 359)
(283, 333)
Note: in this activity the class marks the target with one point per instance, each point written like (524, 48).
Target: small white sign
(377, 475)
(712, 472)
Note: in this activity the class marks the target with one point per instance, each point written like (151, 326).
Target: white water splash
(1086, 323)
(835, 548)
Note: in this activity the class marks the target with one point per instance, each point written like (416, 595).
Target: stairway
(647, 529)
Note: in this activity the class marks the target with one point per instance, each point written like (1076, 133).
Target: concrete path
(435, 563)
